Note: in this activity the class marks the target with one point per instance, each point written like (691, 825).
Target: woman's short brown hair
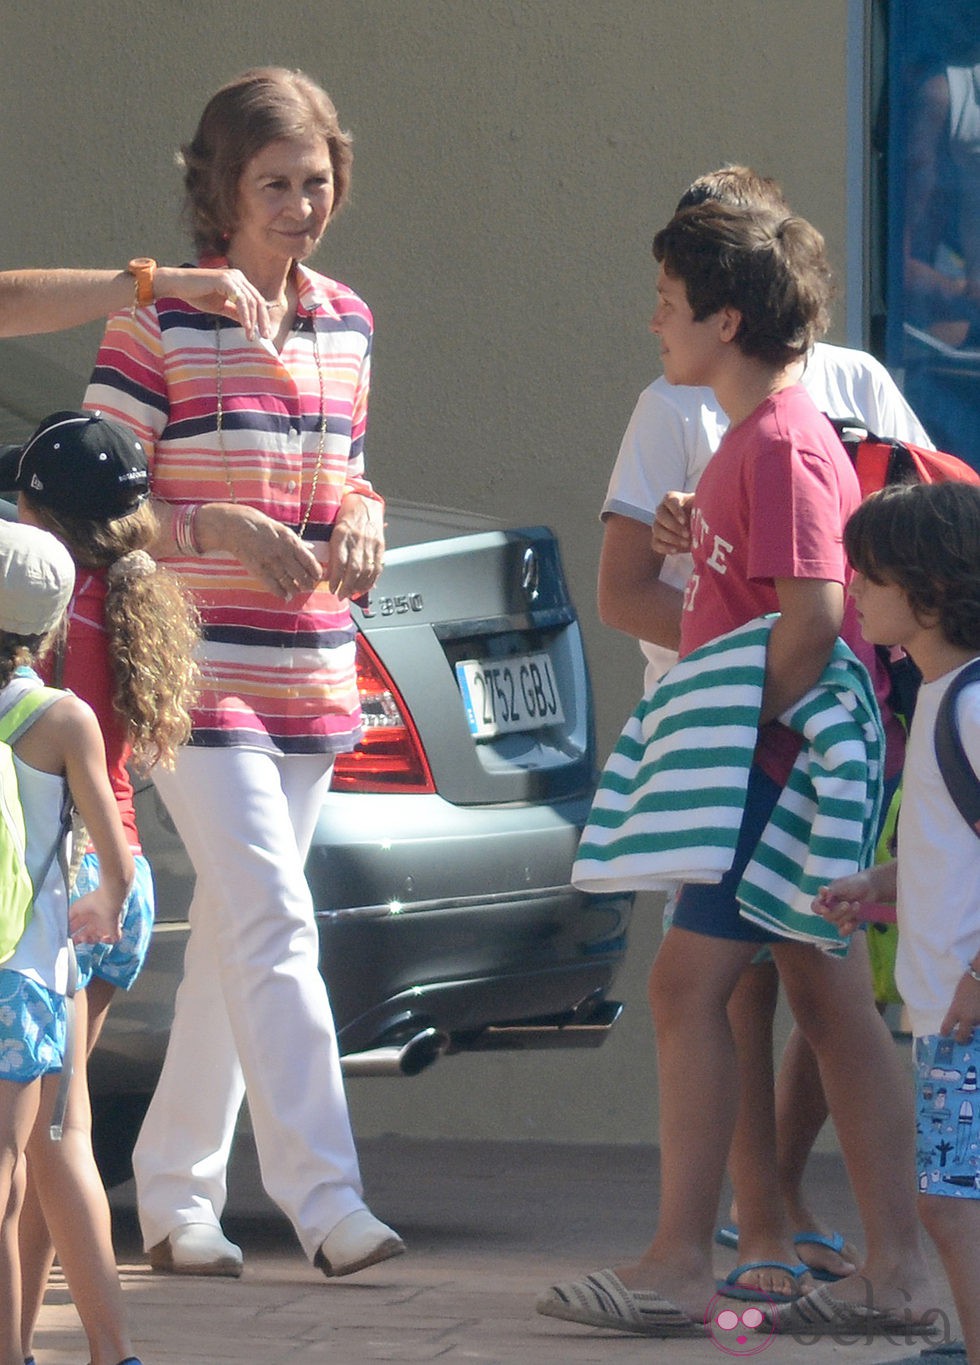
(262, 105)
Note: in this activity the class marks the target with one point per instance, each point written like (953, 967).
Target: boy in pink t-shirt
(784, 457)
(742, 295)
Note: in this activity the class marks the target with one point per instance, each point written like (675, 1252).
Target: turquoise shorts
(118, 963)
(32, 1029)
(947, 1111)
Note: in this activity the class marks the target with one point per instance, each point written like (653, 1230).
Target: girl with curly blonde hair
(150, 626)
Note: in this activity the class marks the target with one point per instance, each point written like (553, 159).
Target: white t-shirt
(675, 430)
(938, 866)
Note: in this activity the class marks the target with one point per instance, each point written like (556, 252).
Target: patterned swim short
(118, 963)
(32, 1029)
(947, 1110)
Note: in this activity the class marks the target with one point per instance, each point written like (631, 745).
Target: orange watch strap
(142, 269)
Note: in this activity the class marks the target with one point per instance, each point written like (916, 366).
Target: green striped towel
(671, 797)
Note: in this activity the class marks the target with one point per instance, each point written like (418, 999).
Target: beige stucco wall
(513, 160)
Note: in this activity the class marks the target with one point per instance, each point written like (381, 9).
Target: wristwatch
(142, 269)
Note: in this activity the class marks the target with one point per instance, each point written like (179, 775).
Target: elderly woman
(256, 452)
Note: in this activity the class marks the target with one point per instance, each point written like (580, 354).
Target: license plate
(503, 695)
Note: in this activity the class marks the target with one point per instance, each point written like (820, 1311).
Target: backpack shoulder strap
(18, 718)
(957, 771)
(15, 721)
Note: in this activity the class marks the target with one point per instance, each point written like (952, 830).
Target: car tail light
(390, 757)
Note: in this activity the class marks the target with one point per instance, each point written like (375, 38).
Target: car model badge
(530, 574)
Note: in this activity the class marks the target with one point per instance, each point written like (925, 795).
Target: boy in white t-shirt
(916, 555)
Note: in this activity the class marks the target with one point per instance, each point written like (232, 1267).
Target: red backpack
(878, 460)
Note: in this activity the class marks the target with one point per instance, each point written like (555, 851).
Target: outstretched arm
(35, 301)
(848, 901)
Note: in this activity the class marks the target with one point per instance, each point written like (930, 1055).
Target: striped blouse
(276, 675)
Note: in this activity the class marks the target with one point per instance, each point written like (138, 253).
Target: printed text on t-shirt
(715, 559)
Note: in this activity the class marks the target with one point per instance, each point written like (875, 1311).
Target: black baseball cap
(80, 465)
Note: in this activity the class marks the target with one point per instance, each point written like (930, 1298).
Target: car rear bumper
(493, 934)
(455, 918)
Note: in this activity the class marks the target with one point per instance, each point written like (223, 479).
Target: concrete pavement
(487, 1224)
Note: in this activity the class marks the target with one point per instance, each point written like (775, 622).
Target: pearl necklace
(219, 386)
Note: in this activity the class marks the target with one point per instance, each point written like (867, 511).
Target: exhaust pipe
(581, 1029)
(398, 1059)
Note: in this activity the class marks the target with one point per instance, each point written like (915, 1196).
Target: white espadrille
(197, 1249)
(359, 1240)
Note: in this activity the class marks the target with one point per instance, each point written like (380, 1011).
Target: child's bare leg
(870, 1101)
(99, 995)
(763, 1231)
(18, 1106)
(801, 1112)
(954, 1226)
(782, 1139)
(36, 1260)
(750, 1013)
(76, 1210)
(36, 1246)
(692, 979)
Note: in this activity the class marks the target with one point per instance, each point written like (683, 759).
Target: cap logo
(36, 482)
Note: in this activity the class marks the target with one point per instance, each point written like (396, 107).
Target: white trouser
(252, 1014)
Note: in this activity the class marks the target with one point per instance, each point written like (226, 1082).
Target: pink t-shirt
(772, 504)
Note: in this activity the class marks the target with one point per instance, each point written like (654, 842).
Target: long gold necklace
(220, 415)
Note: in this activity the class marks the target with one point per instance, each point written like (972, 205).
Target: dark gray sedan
(441, 860)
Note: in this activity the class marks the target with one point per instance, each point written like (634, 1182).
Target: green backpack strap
(15, 721)
(18, 718)
(16, 888)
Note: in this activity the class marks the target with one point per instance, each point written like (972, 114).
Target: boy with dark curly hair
(915, 550)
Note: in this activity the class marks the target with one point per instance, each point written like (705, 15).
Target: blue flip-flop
(833, 1241)
(727, 1236)
(731, 1289)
